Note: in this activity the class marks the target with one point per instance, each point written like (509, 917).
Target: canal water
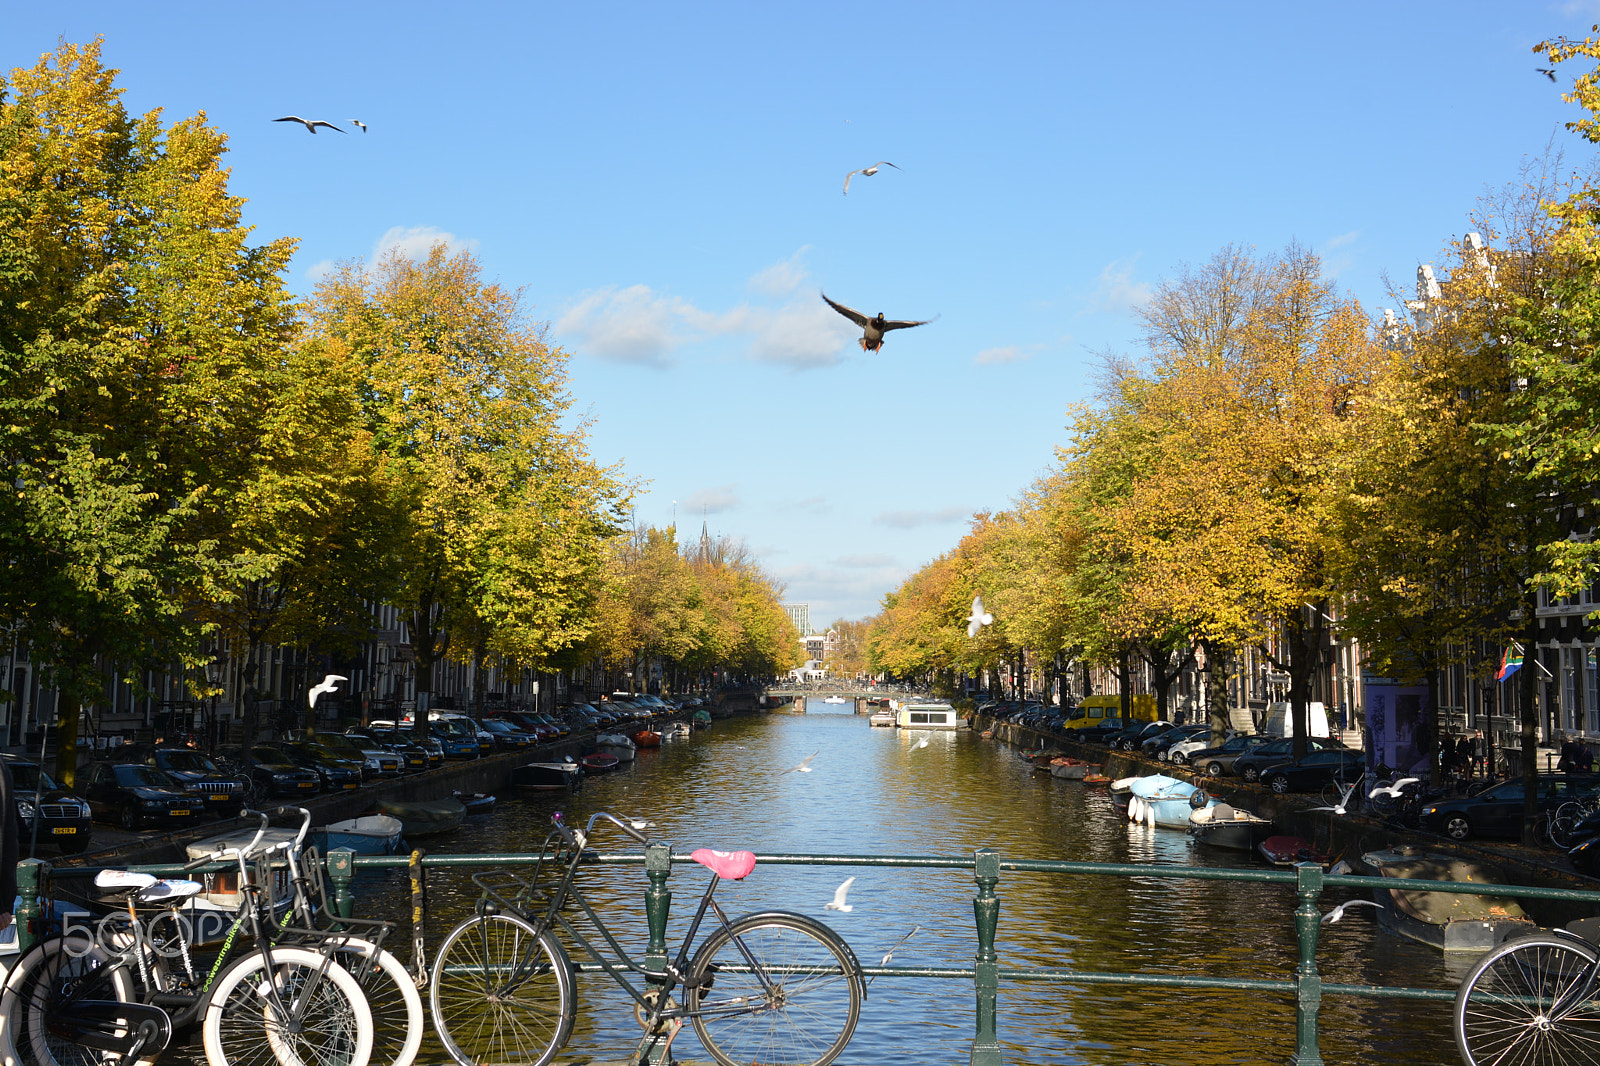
(871, 791)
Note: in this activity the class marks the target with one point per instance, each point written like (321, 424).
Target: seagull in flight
(920, 744)
(887, 955)
(1396, 790)
(355, 122)
(1338, 912)
(310, 124)
(837, 903)
(805, 764)
(873, 329)
(330, 685)
(978, 618)
(1343, 800)
(873, 169)
(1547, 73)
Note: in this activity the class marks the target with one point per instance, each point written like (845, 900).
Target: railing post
(657, 902)
(341, 871)
(986, 910)
(33, 881)
(1308, 984)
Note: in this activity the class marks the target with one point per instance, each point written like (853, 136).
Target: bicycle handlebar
(581, 838)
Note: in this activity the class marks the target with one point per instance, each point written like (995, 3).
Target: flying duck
(873, 329)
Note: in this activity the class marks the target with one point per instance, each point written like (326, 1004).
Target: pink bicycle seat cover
(729, 865)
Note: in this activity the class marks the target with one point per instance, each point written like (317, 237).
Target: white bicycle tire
(11, 1005)
(396, 973)
(248, 969)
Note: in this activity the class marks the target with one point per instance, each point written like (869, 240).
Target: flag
(1510, 664)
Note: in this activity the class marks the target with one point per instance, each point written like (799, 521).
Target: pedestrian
(1569, 755)
(1583, 760)
(1466, 754)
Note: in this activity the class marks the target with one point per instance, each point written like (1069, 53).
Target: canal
(870, 791)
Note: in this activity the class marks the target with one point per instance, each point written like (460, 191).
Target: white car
(1179, 753)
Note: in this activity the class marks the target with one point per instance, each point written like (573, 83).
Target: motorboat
(599, 762)
(476, 802)
(675, 731)
(835, 699)
(1159, 800)
(647, 738)
(426, 817)
(212, 912)
(1449, 921)
(701, 719)
(1222, 825)
(370, 834)
(1069, 769)
(882, 717)
(616, 744)
(564, 776)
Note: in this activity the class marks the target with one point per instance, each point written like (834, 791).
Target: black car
(1219, 760)
(1251, 764)
(376, 760)
(63, 819)
(1497, 810)
(195, 773)
(1099, 732)
(272, 774)
(334, 772)
(412, 757)
(1315, 770)
(1133, 737)
(133, 795)
(508, 737)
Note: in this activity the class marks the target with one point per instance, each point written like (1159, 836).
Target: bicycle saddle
(728, 865)
(145, 888)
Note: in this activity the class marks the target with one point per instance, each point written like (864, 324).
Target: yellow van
(1092, 710)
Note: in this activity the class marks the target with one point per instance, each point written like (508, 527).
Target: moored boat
(701, 719)
(647, 738)
(212, 911)
(1159, 800)
(599, 762)
(1285, 850)
(1069, 769)
(370, 834)
(425, 817)
(561, 776)
(882, 718)
(675, 731)
(475, 802)
(1222, 825)
(616, 744)
(1450, 921)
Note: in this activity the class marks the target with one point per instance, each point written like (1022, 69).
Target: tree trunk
(1218, 662)
(68, 710)
(1125, 683)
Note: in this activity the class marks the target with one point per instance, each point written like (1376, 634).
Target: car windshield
(27, 777)
(188, 760)
(140, 776)
(454, 727)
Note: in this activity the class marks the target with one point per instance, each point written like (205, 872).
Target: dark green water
(871, 792)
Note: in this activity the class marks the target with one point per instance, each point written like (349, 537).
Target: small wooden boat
(599, 762)
(616, 744)
(1450, 921)
(1071, 769)
(1284, 850)
(475, 802)
(1225, 826)
(564, 776)
(1094, 777)
(370, 834)
(425, 817)
(647, 738)
(211, 913)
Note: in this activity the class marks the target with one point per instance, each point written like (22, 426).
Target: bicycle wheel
(1384, 802)
(1532, 1000)
(801, 1008)
(501, 992)
(393, 999)
(42, 982)
(331, 1024)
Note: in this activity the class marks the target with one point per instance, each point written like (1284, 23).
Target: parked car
(1133, 737)
(271, 773)
(376, 760)
(413, 756)
(458, 743)
(1317, 769)
(1497, 810)
(194, 772)
(1157, 747)
(134, 795)
(1251, 764)
(426, 741)
(335, 773)
(62, 818)
(1179, 753)
(1216, 761)
(1100, 731)
(508, 737)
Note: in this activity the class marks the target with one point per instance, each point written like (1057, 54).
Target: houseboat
(928, 716)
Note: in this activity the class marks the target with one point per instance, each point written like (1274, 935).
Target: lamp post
(214, 675)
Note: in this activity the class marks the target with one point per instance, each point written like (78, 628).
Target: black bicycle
(774, 987)
(1534, 999)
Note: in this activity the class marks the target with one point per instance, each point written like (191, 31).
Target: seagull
(330, 684)
(310, 124)
(920, 744)
(357, 122)
(805, 764)
(887, 955)
(873, 169)
(1547, 73)
(837, 903)
(1338, 912)
(1343, 799)
(978, 618)
(873, 328)
(1396, 790)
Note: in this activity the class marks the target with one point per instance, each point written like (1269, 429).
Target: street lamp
(214, 674)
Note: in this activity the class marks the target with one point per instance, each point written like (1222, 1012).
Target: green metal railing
(1307, 880)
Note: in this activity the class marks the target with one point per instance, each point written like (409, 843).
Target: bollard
(341, 871)
(657, 901)
(1308, 984)
(986, 910)
(33, 882)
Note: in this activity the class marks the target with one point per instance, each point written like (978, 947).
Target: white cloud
(864, 561)
(811, 505)
(1115, 291)
(912, 519)
(993, 356)
(632, 325)
(414, 242)
(1343, 239)
(782, 277)
(712, 501)
(801, 335)
(319, 270)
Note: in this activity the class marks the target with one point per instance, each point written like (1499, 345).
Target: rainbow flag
(1510, 664)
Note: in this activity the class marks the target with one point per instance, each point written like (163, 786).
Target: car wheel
(130, 818)
(1178, 759)
(1278, 784)
(1164, 757)
(1456, 827)
(1252, 774)
(1214, 769)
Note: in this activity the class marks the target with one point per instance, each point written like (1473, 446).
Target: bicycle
(774, 987)
(92, 995)
(1533, 999)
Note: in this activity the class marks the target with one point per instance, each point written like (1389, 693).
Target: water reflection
(871, 791)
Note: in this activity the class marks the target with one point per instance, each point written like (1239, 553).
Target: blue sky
(664, 183)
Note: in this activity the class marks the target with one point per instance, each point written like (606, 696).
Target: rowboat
(701, 719)
(564, 776)
(1159, 800)
(675, 731)
(370, 834)
(598, 762)
(616, 744)
(1071, 769)
(426, 817)
(1225, 826)
(647, 738)
(475, 802)
(1286, 850)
